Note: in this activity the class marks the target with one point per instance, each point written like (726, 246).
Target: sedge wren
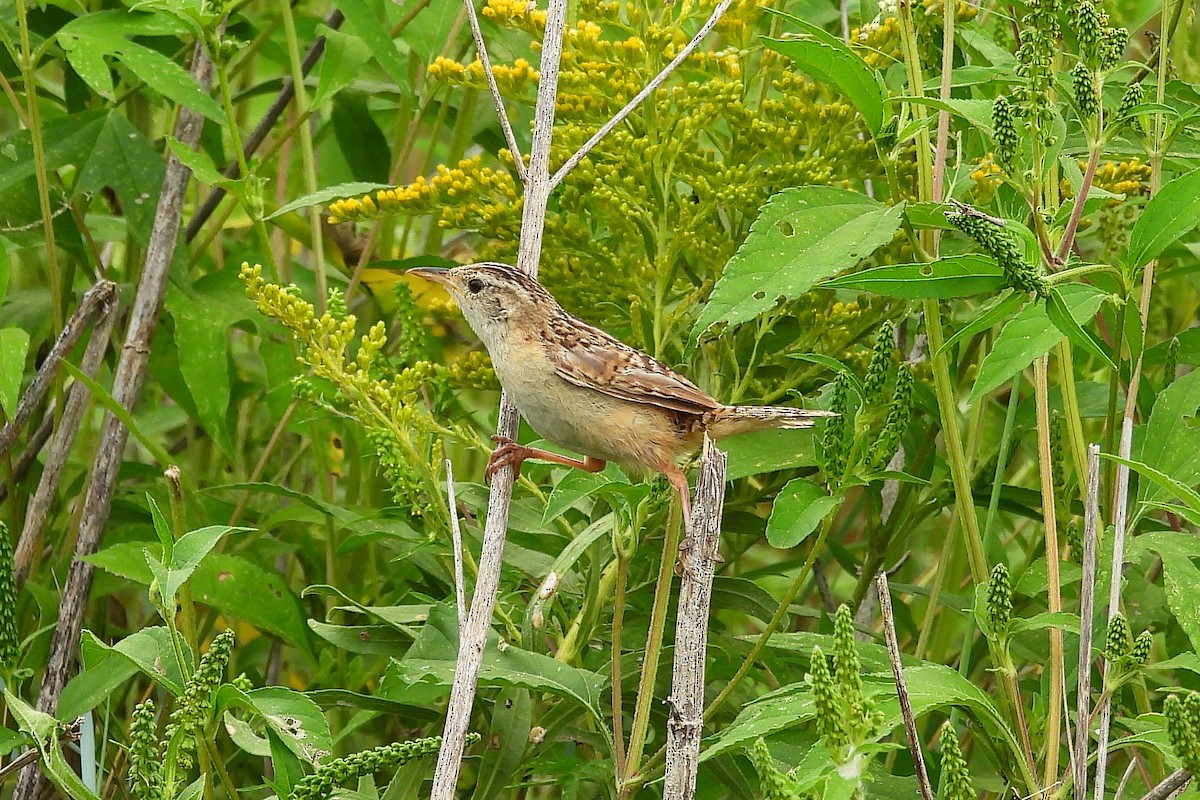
(587, 391)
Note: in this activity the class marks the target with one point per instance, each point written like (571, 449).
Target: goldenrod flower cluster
(520, 14)
(387, 400)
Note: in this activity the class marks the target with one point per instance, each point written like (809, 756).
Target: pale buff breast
(586, 421)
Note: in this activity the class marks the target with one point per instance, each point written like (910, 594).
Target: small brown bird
(587, 391)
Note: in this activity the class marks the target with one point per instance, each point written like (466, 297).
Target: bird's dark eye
(474, 286)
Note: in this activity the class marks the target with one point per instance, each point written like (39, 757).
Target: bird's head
(492, 296)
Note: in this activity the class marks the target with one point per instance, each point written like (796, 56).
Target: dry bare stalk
(1114, 592)
(37, 513)
(481, 51)
(538, 185)
(638, 98)
(893, 646)
(96, 301)
(460, 591)
(1087, 598)
(685, 719)
(1170, 784)
(487, 583)
(127, 388)
(287, 92)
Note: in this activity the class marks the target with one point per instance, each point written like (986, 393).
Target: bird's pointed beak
(435, 274)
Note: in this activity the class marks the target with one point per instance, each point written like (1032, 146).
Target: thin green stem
(654, 640)
(306, 152)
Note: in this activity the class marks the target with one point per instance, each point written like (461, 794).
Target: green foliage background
(818, 208)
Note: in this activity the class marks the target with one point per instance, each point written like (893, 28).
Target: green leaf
(44, 730)
(1057, 310)
(5, 267)
(1061, 620)
(373, 32)
(1172, 437)
(294, 717)
(1029, 335)
(123, 160)
(768, 451)
(834, 63)
(198, 162)
(991, 313)
(953, 276)
(1180, 574)
(1168, 485)
(203, 315)
(344, 58)
(14, 344)
(323, 196)
(188, 552)
(1168, 215)
(431, 660)
(106, 668)
(928, 216)
(801, 236)
(798, 510)
(168, 79)
(512, 719)
(976, 112)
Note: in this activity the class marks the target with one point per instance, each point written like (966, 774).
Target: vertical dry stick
(1054, 594)
(127, 388)
(460, 592)
(487, 583)
(910, 723)
(98, 300)
(685, 717)
(1083, 700)
(37, 514)
(1114, 592)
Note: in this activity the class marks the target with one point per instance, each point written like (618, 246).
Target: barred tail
(732, 420)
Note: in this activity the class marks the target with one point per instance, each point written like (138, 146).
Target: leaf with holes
(801, 237)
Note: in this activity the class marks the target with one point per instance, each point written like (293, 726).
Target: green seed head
(1117, 640)
(775, 784)
(1004, 126)
(956, 778)
(831, 717)
(999, 599)
(145, 754)
(10, 634)
(881, 361)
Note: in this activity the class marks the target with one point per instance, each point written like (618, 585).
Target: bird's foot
(507, 454)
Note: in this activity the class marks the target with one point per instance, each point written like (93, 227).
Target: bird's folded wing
(591, 358)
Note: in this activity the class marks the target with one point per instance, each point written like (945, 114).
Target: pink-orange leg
(511, 454)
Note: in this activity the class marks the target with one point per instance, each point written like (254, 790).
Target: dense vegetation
(240, 442)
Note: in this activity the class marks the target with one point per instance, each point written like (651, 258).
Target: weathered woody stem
(686, 716)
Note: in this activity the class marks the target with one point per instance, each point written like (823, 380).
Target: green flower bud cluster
(1035, 63)
(1088, 22)
(1074, 541)
(999, 602)
(337, 304)
(192, 711)
(473, 370)
(1004, 127)
(1058, 467)
(10, 634)
(899, 414)
(833, 440)
(846, 718)
(1001, 245)
(321, 783)
(145, 754)
(831, 719)
(413, 334)
(393, 455)
(1117, 639)
(1139, 653)
(956, 778)
(1183, 727)
(882, 353)
(774, 782)
(1112, 47)
(1171, 363)
(1083, 83)
(1135, 93)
